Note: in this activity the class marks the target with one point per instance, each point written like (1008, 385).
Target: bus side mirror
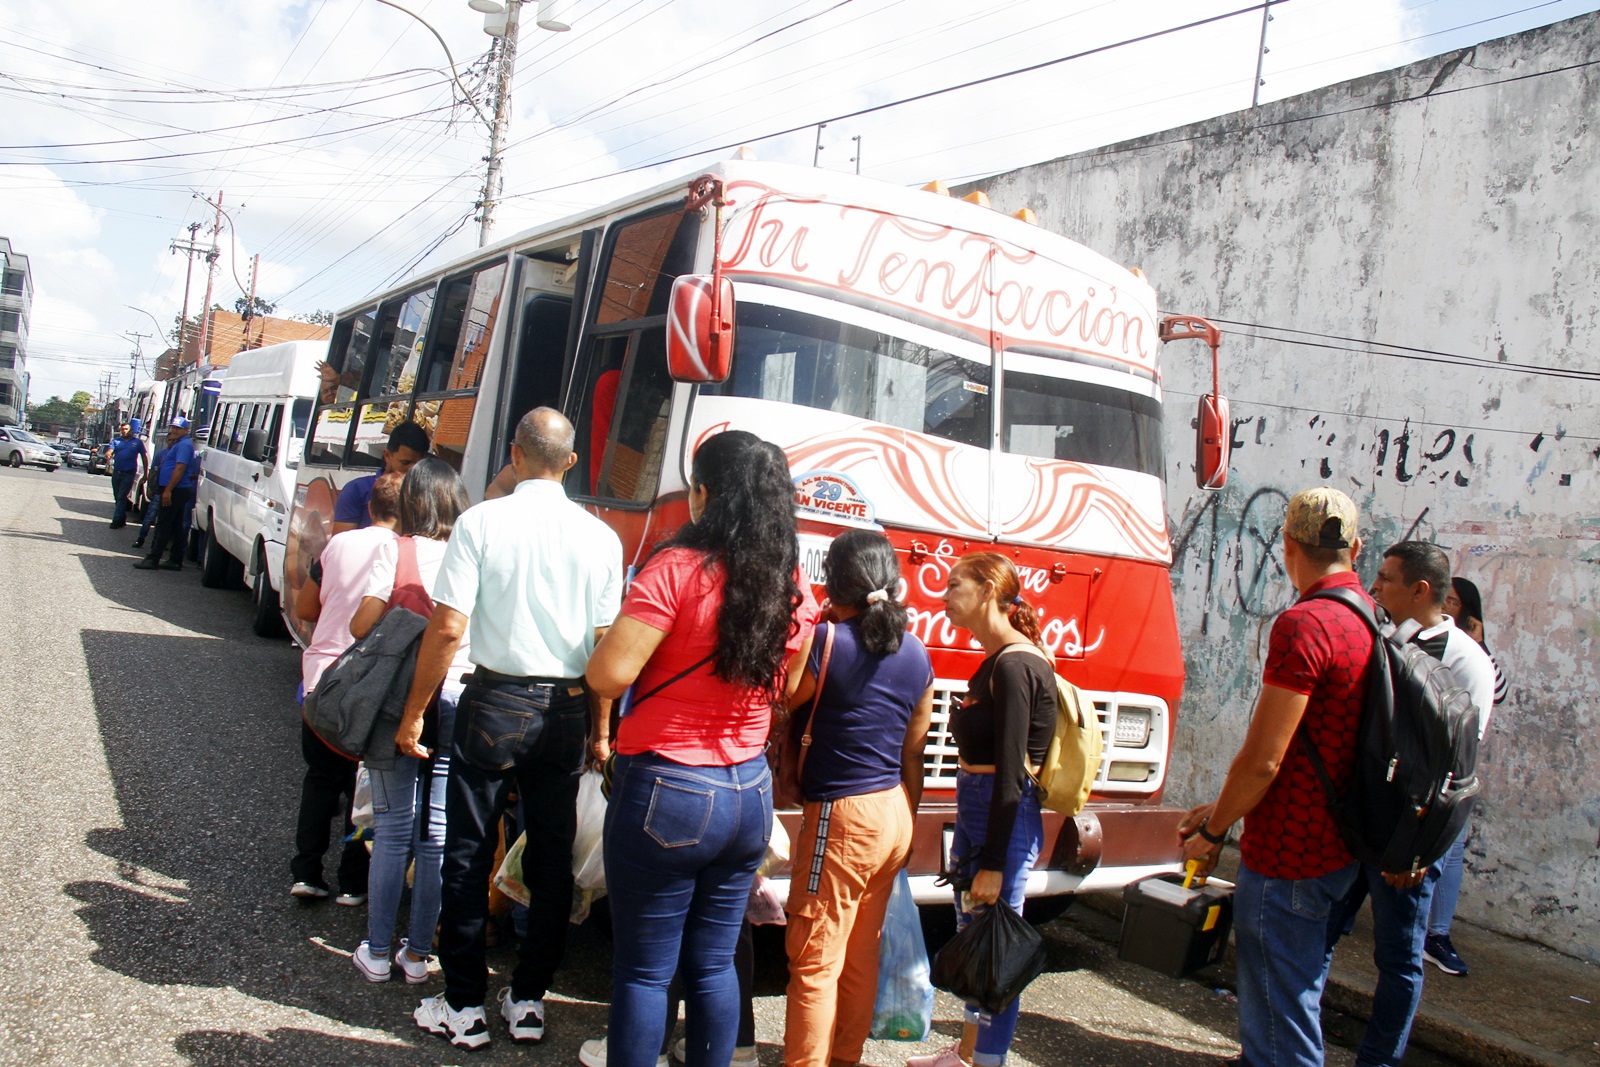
(1213, 442)
(700, 329)
(255, 445)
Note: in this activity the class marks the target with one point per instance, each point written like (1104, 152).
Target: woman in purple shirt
(862, 781)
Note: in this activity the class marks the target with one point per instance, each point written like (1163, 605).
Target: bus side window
(631, 466)
(537, 366)
(341, 380)
(458, 349)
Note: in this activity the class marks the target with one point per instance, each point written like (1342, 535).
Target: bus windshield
(1056, 409)
(793, 357)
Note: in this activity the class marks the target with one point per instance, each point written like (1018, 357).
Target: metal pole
(1261, 53)
(856, 159)
(250, 305)
(204, 351)
(492, 181)
(816, 153)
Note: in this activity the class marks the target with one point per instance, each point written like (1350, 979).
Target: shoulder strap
(1352, 600)
(407, 575)
(816, 698)
(696, 665)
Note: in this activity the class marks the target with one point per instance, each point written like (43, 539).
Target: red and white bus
(954, 377)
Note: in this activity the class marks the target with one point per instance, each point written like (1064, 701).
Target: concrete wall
(1449, 206)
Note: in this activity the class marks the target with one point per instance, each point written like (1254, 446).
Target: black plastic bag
(991, 961)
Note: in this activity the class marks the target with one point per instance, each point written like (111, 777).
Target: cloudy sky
(345, 158)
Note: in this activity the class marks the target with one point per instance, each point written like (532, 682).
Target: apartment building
(16, 304)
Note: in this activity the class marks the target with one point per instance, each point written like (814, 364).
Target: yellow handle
(1190, 869)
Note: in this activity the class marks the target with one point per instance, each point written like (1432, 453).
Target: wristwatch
(1215, 839)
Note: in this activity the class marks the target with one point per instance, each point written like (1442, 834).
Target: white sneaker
(465, 1029)
(743, 1055)
(416, 971)
(524, 1018)
(593, 1054)
(307, 891)
(949, 1056)
(372, 968)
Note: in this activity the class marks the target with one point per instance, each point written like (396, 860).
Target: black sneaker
(1437, 950)
(146, 564)
(172, 565)
(138, 542)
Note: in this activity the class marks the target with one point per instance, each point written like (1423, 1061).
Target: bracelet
(1215, 839)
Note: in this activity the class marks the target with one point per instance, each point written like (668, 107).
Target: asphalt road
(147, 807)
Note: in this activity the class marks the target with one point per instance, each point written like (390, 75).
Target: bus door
(619, 396)
(536, 370)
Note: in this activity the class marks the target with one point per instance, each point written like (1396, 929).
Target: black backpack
(1415, 777)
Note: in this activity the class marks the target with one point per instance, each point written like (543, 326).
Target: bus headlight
(1133, 728)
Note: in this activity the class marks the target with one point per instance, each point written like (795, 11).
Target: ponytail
(863, 573)
(1026, 620)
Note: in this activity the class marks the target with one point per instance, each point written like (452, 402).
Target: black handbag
(992, 960)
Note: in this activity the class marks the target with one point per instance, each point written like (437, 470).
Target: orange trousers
(836, 908)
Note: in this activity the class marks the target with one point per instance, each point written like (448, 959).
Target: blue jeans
(1280, 929)
(399, 811)
(682, 845)
(1399, 923)
(973, 793)
(151, 510)
(1448, 889)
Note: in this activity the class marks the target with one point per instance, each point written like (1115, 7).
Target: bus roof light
(1026, 215)
(937, 186)
(977, 196)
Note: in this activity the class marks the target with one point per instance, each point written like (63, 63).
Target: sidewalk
(1522, 1005)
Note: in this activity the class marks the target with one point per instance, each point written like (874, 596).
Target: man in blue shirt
(407, 444)
(176, 478)
(127, 458)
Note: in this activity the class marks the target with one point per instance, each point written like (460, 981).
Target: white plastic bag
(361, 800)
(777, 857)
(588, 857)
(508, 879)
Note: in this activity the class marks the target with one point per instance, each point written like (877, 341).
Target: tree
(56, 413)
(247, 310)
(319, 317)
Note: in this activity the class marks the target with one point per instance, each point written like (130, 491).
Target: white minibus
(248, 467)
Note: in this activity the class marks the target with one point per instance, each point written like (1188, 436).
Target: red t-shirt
(1322, 649)
(699, 719)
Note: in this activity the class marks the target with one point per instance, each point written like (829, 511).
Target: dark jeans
(1399, 924)
(170, 526)
(548, 760)
(744, 966)
(122, 483)
(325, 795)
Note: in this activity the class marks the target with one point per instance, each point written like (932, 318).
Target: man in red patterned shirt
(1294, 865)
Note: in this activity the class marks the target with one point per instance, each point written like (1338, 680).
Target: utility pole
(250, 305)
(204, 351)
(134, 359)
(493, 183)
(856, 159)
(189, 249)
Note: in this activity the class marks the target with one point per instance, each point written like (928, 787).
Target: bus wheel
(214, 567)
(268, 622)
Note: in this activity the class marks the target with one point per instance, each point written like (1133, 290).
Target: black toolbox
(1171, 929)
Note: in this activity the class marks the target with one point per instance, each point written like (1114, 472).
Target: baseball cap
(178, 423)
(1322, 517)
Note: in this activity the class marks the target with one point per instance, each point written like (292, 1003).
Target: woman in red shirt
(703, 636)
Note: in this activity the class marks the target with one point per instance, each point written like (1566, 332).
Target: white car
(19, 447)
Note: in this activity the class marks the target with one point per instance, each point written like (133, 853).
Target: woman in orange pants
(862, 781)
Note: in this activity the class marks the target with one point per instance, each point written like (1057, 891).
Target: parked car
(100, 459)
(18, 447)
(79, 457)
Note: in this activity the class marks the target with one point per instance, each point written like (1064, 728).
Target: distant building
(231, 334)
(16, 305)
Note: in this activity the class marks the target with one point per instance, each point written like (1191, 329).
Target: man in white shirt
(534, 580)
(1411, 585)
(329, 598)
